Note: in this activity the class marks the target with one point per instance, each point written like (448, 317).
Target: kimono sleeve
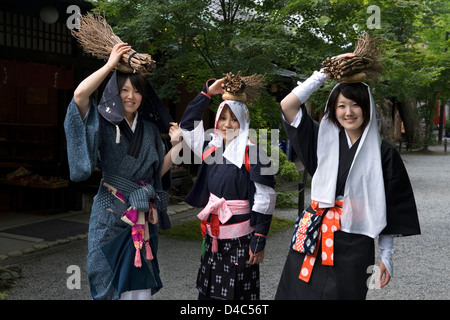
(82, 138)
(199, 194)
(161, 182)
(401, 210)
(304, 140)
(191, 123)
(261, 184)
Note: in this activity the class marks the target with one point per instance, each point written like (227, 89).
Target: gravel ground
(421, 263)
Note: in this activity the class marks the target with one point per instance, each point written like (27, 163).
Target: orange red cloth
(330, 224)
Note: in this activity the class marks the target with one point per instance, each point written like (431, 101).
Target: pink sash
(223, 210)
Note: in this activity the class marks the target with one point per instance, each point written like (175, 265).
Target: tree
(193, 40)
(413, 71)
(416, 65)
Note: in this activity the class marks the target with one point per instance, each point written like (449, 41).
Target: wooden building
(40, 65)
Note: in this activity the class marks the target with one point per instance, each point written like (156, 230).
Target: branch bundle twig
(242, 88)
(364, 64)
(97, 38)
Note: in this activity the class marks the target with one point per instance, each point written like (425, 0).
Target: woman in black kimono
(360, 191)
(238, 198)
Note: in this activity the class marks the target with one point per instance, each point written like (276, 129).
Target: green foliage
(195, 40)
(200, 39)
(8, 278)
(287, 172)
(447, 127)
(416, 63)
(265, 113)
(287, 199)
(188, 231)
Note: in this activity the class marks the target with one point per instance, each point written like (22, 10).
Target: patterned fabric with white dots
(226, 274)
(319, 225)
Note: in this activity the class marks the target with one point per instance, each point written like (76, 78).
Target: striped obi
(138, 222)
(220, 211)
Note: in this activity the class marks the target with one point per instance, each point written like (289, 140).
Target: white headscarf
(235, 150)
(364, 208)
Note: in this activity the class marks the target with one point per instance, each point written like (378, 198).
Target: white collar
(349, 141)
(133, 126)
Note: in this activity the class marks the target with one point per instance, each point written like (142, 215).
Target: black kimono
(354, 253)
(225, 274)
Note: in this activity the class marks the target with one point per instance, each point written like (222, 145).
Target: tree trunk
(413, 128)
(387, 123)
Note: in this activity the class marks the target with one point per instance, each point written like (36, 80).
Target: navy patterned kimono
(225, 274)
(136, 158)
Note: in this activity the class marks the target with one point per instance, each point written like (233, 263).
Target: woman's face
(228, 125)
(131, 98)
(350, 116)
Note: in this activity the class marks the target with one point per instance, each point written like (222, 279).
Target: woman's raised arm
(88, 86)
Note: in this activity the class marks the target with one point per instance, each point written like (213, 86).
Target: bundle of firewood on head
(244, 89)
(365, 64)
(97, 37)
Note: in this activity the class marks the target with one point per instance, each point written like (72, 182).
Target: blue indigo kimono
(133, 167)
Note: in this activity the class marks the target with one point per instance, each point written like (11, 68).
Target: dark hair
(137, 81)
(353, 91)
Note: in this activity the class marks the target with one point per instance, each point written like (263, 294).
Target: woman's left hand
(216, 87)
(383, 277)
(116, 54)
(255, 258)
(175, 138)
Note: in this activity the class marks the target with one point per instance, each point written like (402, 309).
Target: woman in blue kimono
(237, 196)
(121, 137)
(360, 191)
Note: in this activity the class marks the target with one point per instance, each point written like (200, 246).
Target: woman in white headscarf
(238, 200)
(360, 191)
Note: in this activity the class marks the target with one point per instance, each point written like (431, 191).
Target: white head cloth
(364, 208)
(235, 150)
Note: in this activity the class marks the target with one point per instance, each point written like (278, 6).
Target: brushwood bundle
(242, 88)
(365, 64)
(97, 38)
